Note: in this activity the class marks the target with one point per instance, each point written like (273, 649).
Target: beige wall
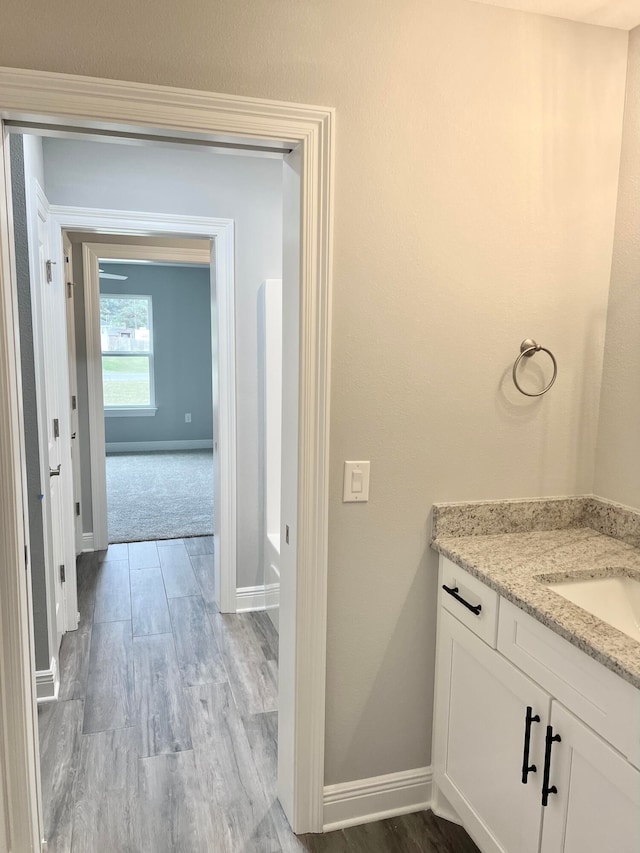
(618, 453)
(476, 180)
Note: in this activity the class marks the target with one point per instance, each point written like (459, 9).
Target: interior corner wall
(194, 182)
(182, 359)
(19, 175)
(476, 176)
(617, 474)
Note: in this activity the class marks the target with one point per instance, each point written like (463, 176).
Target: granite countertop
(518, 564)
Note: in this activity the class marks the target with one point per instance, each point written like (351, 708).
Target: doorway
(308, 182)
(157, 380)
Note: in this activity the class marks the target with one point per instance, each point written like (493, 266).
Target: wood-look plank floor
(164, 739)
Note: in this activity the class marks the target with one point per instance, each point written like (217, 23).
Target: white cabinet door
(597, 804)
(479, 741)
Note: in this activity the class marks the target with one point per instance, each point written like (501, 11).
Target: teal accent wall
(182, 351)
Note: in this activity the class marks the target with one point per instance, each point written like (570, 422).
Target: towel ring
(529, 347)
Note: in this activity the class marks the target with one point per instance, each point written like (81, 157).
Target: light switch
(356, 482)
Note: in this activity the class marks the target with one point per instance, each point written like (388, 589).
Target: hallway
(164, 735)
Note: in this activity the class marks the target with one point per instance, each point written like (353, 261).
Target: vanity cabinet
(500, 735)
(597, 806)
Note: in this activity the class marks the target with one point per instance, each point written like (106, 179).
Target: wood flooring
(164, 738)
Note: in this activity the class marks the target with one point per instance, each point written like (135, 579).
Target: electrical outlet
(187, 418)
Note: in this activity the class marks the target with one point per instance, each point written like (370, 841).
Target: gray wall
(618, 453)
(27, 365)
(182, 351)
(247, 190)
(477, 155)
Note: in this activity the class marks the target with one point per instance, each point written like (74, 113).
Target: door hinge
(77, 507)
(56, 428)
(70, 289)
(63, 576)
(49, 268)
(74, 402)
(26, 557)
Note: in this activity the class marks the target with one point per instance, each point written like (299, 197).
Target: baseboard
(272, 587)
(87, 542)
(441, 806)
(376, 798)
(141, 446)
(263, 597)
(47, 683)
(271, 596)
(250, 598)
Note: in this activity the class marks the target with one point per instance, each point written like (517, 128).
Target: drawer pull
(549, 741)
(526, 767)
(454, 591)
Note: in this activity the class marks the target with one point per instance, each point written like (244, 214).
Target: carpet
(159, 495)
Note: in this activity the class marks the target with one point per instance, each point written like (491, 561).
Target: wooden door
(481, 710)
(596, 806)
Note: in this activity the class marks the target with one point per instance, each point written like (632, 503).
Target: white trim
(87, 543)
(47, 683)
(143, 446)
(252, 598)
(112, 104)
(131, 412)
(125, 222)
(149, 408)
(376, 798)
(249, 598)
(441, 806)
(221, 232)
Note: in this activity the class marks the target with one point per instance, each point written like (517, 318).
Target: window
(126, 334)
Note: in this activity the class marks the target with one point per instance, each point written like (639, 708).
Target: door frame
(221, 232)
(63, 100)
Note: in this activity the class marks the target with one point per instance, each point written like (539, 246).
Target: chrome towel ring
(529, 347)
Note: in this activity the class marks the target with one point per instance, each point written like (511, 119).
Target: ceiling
(622, 14)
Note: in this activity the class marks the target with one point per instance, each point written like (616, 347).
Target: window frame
(147, 409)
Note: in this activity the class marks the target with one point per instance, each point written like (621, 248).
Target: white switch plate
(356, 482)
(187, 417)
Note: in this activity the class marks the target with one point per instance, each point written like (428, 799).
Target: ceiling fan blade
(112, 275)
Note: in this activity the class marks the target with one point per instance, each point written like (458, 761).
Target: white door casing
(220, 231)
(67, 250)
(110, 104)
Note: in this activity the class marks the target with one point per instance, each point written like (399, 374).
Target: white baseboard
(367, 800)
(141, 446)
(47, 683)
(250, 598)
(263, 597)
(87, 542)
(441, 806)
(271, 596)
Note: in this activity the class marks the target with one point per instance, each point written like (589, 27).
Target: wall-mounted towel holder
(529, 347)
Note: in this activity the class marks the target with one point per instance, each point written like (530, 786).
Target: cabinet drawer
(599, 697)
(484, 623)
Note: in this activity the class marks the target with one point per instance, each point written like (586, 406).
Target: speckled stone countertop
(548, 541)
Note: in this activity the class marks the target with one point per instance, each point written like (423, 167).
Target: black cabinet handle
(526, 767)
(474, 608)
(546, 790)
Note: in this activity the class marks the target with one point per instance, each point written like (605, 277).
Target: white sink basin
(615, 600)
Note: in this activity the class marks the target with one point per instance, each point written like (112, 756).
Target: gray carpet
(159, 495)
